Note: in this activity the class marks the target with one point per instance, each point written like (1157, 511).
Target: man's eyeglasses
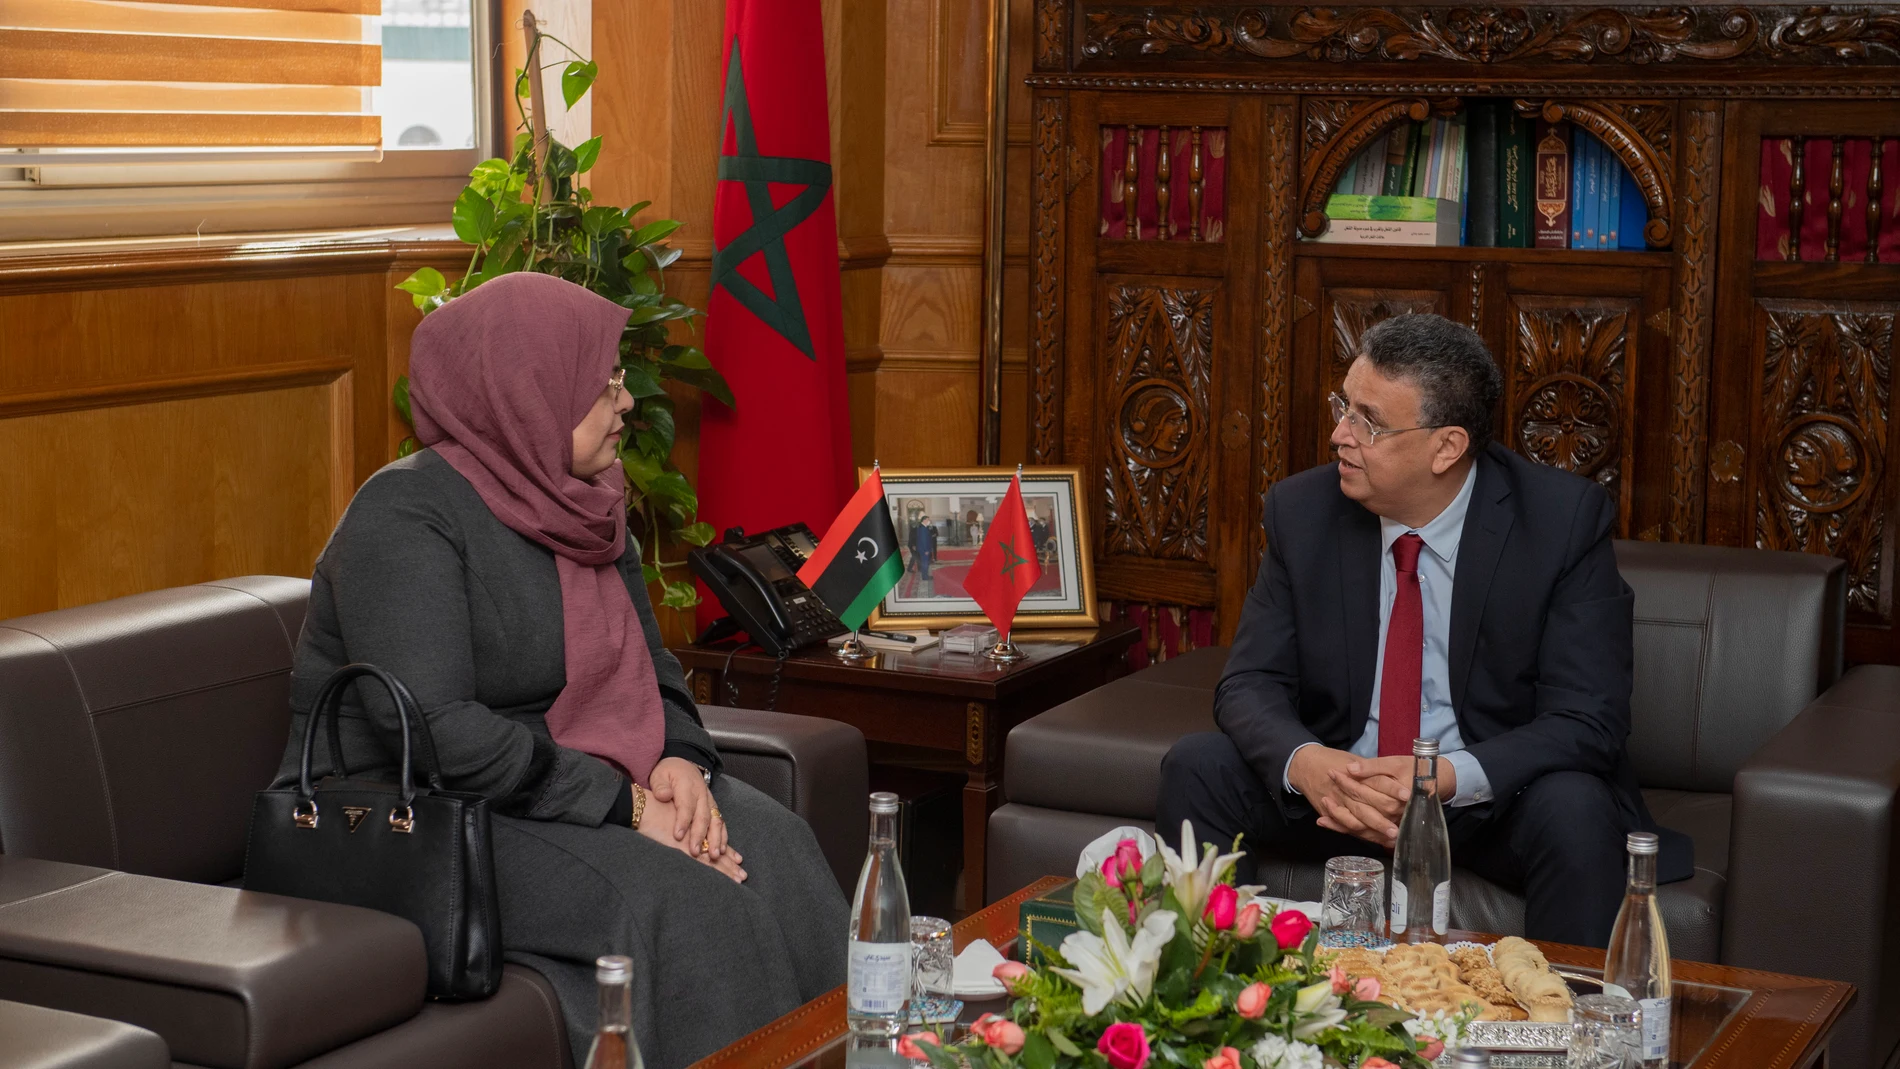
(1362, 429)
(616, 383)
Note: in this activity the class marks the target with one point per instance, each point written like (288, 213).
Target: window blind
(154, 74)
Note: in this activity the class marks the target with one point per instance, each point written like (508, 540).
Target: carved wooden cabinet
(1721, 386)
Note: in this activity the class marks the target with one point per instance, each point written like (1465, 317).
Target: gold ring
(717, 815)
(705, 845)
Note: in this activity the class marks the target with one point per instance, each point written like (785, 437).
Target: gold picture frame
(1053, 496)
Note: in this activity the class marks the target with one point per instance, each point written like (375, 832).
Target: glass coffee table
(1726, 1018)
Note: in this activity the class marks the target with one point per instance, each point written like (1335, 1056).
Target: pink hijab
(499, 379)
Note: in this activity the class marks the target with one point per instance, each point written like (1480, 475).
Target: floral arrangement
(1174, 965)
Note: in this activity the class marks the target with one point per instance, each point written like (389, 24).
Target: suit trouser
(1560, 840)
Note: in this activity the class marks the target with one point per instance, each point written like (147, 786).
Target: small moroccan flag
(856, 563)
(1006, 567)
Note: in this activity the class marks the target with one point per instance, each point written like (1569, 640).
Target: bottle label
(1441, 908)
(879, 978)
(1399, 902)
(1655, 1028)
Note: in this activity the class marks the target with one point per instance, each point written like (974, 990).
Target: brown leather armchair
(133, 734)
(1746, 735)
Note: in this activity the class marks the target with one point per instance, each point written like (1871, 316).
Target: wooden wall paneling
(1731, 384)
(1076, 382)
(1061, 166)
(1280, 306)
(1698, 193)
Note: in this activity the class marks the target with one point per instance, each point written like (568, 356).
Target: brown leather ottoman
(33, 1037)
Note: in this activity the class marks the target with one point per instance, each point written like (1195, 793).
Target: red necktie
(1399, 686)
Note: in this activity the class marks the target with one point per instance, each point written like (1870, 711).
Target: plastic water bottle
(1638, 958)
(614, 1046)
(877, 995)
(1421, 860)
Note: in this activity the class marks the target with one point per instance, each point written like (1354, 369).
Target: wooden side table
(952, 703)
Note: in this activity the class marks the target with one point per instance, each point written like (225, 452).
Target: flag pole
(1006, 651)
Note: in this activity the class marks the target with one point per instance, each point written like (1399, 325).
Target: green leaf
(654, 231)
(522, 88)
(679, 595)
(585, 154)
(663, 256)
(671, 489)
(698, 534)
(1037, 1052)
(1089, 898)
(560, 163)
(598, 221)
(708, 380)
(641, 382)
(650, 572)
(577, 79)
(401, 397)
(684, 356)
(406, 447)
(474, 217)
(657, 414)
(426, 283)
(641, 470)
(1062, 1043)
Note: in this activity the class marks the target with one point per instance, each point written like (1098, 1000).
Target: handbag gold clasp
(301, 818)
(402, 820)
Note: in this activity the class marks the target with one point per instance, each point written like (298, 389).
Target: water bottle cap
(1424, 747)
(613, 969)
(883, 802)
(1643, 842)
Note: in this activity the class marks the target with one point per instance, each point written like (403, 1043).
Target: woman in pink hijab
(493, 574)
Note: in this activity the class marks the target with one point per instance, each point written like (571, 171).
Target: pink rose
(1432, 1050)
(1289, 928)
(1124, 865)
(1125, 1046)
(1341, 982)
(1008, 973)
(1248, 922)
(999, 1032)
(1225, 1058)
(1252, 1000)
(1220, 906)
(1366, 988)
(1376, 1062)
(907, 1045)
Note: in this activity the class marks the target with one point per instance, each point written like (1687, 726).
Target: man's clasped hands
(1361, 796)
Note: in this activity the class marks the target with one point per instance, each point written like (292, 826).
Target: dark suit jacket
(1540, 651)
(923, 540)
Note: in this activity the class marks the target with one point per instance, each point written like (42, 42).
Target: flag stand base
(853, 650)
(1005, 652)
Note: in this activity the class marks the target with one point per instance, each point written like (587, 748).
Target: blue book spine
(1612, 199)
(1579, 203)
(1633, 215)
(1593, 192)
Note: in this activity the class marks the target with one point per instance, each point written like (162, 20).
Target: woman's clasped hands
(681, 813)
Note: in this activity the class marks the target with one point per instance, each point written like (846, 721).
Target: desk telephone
(755, 578)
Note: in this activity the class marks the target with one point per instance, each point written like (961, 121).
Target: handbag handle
(330, 700)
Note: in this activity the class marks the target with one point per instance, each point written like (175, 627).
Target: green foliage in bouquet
(1177, 967)
(529, 213)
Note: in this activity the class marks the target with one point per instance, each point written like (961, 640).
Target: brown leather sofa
(133, 734)
(1746, 734)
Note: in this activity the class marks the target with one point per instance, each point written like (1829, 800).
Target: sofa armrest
(229, 979)
(34, 1037)
(812, 766)
(1811, 887)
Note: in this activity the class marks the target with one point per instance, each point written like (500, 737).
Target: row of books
(1488, 177)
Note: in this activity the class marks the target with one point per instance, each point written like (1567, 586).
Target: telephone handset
(755, 578)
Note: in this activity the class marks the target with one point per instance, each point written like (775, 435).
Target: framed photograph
(957, 505)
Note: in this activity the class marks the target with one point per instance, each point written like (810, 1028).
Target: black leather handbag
(422, 853)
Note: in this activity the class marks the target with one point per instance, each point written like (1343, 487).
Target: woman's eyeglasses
(1363, 430)
(616, 383)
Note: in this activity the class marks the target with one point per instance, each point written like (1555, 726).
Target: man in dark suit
(923, 547)
(1431, 584)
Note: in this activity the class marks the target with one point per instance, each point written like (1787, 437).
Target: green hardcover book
(1049, 918)
(1418, 160)
(1398, 149)
(1410, 209)
(1514, 178)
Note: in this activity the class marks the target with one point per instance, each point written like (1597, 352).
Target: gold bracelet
(639, 805)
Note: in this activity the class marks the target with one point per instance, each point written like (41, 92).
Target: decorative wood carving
(1052, 32)
(1045, 356)
(1475, 280)
(1827, 379)
(1549, 33)
(1646, 164)
(1301, 308)
(1569, 370)
(1158, 346)
(1802, 83)
(1325, 117)
(1370, 119)
(1276, 318)
(1726, 461)
(1081, 166)
(1695, 297)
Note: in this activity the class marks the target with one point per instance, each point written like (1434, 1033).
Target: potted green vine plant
(530, 213)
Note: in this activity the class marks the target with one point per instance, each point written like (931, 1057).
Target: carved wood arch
(1321, 169)
(1647, 163)
(1645, 153)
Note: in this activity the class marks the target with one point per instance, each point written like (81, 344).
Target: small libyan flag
(857, 562)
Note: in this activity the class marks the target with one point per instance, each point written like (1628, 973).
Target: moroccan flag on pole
(1006, 567)
(857, 562)
(774, 327)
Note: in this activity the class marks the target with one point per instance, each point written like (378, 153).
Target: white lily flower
(1191, 882)
(1316, 1009)
(1109, 967)
(1273, 1052)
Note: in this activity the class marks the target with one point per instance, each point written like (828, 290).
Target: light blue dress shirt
(1437, 566)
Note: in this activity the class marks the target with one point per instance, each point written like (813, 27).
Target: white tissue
(974, 974)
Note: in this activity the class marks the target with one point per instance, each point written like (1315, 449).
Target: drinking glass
(1352, 907)
(933, 966)
(1605, 1033)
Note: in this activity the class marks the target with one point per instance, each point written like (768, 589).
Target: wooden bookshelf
(1718, 396)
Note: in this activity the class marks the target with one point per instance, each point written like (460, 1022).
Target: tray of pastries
(1520, 1001)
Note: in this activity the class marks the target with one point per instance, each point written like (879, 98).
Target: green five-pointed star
(782, 311)
(1010, 558)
